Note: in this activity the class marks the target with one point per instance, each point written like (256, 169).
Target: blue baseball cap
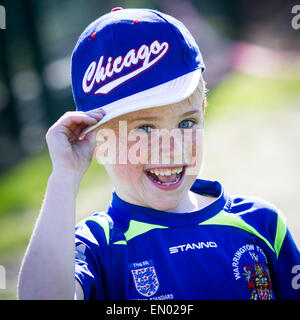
(133, 59)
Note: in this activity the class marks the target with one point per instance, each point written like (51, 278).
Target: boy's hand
(67, 152)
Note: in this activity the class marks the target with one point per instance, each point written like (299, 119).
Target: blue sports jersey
(238, 247)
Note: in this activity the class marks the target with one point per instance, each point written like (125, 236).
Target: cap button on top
(116, 9)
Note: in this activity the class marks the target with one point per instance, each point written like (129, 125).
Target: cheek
(138, 151)
(128, 173)
(197, 143)
(132, 155)
(194, 153)
(193, 145)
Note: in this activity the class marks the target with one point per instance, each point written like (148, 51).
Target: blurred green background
(252, 129)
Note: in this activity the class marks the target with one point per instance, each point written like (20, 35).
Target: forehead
(157, 111)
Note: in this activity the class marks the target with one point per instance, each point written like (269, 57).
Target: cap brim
(167, 93)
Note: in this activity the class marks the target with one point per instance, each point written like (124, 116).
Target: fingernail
(81, 138)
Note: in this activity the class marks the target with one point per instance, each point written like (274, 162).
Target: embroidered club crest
(259, 282)
(144, 278)
(251, 264)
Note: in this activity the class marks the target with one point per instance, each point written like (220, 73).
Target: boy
(166, 234)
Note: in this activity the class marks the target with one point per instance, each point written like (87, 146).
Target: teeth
(166, 172)
(179, 170)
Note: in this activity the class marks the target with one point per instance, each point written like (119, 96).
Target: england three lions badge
(144, 277)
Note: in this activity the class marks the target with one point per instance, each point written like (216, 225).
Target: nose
(167, 147)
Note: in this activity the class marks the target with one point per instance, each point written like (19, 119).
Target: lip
(167, 187)
(165, 167)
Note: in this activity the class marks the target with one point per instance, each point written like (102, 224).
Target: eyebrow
(144, 118)
(191, 112)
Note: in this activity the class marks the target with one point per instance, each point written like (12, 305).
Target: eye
(185, 124)
(145, 128)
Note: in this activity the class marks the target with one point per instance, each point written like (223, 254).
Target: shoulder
(96, 228)
(263, 217)
(254, 209)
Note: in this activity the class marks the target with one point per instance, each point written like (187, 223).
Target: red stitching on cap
(116, 9)
(93, 36)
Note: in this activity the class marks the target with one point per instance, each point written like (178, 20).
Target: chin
(166, 195)
(164, 200)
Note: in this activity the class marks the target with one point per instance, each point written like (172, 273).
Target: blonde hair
(199, 95)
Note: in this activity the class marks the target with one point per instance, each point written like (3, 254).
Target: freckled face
(162, 151)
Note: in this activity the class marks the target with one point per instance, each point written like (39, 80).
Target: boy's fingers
(78, 129)
(87, 130)
(100, 113)
(78, 118)
(96, 112)
(75, 123)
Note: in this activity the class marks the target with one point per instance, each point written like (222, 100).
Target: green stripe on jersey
(120, 242)
(103, 222)
(137, 228)
(280, 232)
(227, 219)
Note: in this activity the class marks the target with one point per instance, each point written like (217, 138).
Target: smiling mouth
(165, 177)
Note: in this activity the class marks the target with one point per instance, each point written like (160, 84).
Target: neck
(189, 203)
